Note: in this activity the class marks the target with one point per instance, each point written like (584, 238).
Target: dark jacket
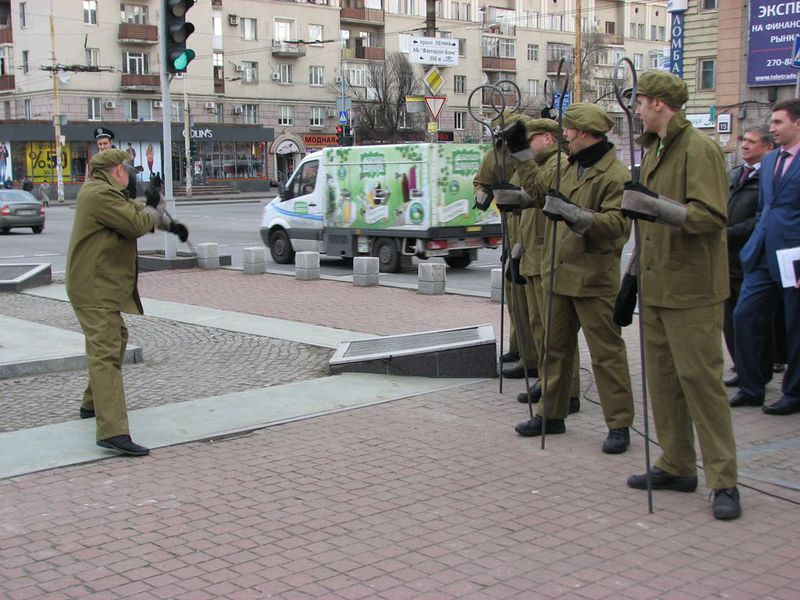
(742, 206)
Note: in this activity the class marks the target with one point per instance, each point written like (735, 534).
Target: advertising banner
(774, 24)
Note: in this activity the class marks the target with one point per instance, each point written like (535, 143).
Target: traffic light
(177, 31)
(192, 147)
(339, 134)
(347, 136)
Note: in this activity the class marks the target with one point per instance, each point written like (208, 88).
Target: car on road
(20, 209)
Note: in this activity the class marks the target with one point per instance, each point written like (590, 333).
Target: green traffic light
(182, 60)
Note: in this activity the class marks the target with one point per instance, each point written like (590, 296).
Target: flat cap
(587, 117)
(543, 126)
(103, 132)
(112, 158)
(663, 85)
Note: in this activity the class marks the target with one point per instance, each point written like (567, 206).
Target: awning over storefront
(136, 131)
(287, 147)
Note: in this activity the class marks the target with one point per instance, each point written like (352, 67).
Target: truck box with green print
(393, 202)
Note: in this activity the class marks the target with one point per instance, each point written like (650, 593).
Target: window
(90, 12)
(533, 87)
(220, 110)
(216, 29)
(533, 52)
(460, 84)
(315, 34)
(640, 28)
(176, 114)
(218, 65)
(611, 27)
(285, 115)
(707, 79)
(559, 51)
(466, 11)
(662, 33)
(619, 125)
(250, 75)
(317, 117)
(26, 67)
(316, 75)
(633, 30)
(136, 63)
(282, 30)
(462, 46)
(6, 60)
(654, 60)
(708, 5)
(637, 61)
(250, 113)
(285, 73)
(249, 29)
(499, 47)
(139, 110)
(27, 109)
(93, 109)
(458, 120)
(133, 13)
(404, 41)
(23, 14)
(653, 32)
(92, 57)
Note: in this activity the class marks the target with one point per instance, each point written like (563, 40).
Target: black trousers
(771, 351)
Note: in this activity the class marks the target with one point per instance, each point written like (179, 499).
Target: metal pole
(56, 108)
(187, 142)
(170, 244)
(578, 26)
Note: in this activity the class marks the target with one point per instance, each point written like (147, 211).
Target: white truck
(393, 202)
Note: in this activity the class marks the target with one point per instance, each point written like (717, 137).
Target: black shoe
(784, 406)
(533, 427)
(510, 357)
(124, 445)
(574, 405)
(518, 372)
(661, 480)
(778, 368)
(732, 381)
(617, 441)
(87, 413)
(742, 399)
(523, 396)
(726, 504)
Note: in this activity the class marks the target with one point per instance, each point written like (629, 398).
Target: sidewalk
(431, 495)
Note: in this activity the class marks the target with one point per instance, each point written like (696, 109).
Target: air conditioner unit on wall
(110, 104)
(210, 105)
(157, 104)
(332, 112)
(237, 110)
(239, 68)
(276, 77)
(233, 20)
(338, 79)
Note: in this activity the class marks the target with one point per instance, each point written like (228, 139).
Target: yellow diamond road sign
(434, 80)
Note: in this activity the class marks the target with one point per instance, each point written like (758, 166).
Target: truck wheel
(388, 255)
(280, 247)
(460, 261)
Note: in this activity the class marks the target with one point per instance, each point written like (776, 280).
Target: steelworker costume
(684, 285)
(101, 283)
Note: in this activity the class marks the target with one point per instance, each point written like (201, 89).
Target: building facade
(262, 91)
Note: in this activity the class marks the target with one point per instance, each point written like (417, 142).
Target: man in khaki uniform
(483, 182)
(535, 178)
(101, 283)
(590, 234)
(681, 204)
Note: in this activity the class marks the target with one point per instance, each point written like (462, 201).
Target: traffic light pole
(170, 245)
(187, 138)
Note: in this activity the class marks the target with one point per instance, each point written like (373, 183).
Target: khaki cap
(543, 126)
(587, 117)
(663, 85)
(112, 158)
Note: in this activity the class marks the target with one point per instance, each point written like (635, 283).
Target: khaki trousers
(683, 354)
(106, 340)
(519, 315)
(607, 349)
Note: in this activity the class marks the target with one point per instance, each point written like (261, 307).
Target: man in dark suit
(743, 184)
(777, 227)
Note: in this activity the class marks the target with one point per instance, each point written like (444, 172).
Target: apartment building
(262, 90)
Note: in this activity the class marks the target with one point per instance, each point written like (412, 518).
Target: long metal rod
(627, 107)
(170, 247)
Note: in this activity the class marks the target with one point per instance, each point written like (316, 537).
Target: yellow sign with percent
(42, 161)
(434, 80)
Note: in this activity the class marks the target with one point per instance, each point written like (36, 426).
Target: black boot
(661, 480)
(533, 427)
(726, 504)
(617, 441)
(509, 357)
(574, 405)
(124, 445)
(518, 372)
(87, 413)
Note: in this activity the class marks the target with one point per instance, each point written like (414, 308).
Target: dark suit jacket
(777, 218)
(742, 207)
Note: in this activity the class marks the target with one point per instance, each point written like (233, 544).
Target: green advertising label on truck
(393, 202)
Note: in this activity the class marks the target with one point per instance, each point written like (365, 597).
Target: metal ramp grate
(15, 278)
(462, 352)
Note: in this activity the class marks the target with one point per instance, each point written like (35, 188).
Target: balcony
(219, 86)
(6, 83)
(288, 49)
(494, 63)
(504, 99)
(140, 83)
(5, 36)
(132, 33)
(552, 66)
(505, 29)
(612, 39)
(356, 48)
(359, 14)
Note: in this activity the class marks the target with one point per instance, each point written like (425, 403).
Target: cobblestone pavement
(181, 362)
(430, 497)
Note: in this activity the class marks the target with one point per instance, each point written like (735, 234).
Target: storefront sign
(41, 160)
(676, 29)
(320, 140)
(287, 147)
(773, 28)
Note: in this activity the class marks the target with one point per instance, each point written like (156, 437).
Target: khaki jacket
(486, 178)
(686, 268)
(588, 266)
(102, 255)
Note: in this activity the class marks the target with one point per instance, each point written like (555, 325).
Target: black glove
(512, 272)
(556, 194)
(625, 303)
(515, 136)
(153, 197)
(179, 229)
(548, 112)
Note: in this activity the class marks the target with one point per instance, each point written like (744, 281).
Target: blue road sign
(796, 53)
(557, 98)
(342, 117)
